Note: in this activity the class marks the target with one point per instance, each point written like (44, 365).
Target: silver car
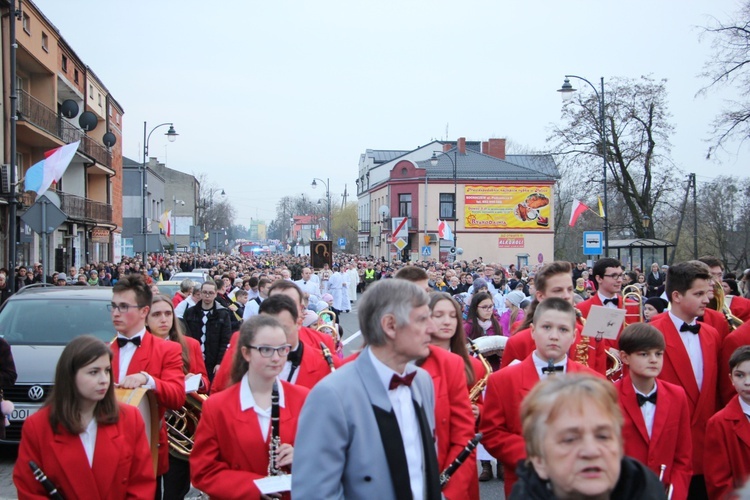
(38, 322)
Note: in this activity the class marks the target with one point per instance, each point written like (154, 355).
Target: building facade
(499, 207)
(59, 101)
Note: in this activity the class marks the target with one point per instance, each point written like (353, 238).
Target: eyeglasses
(123, 308)
(613, 276)
(267, 351)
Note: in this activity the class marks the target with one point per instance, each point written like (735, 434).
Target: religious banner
(508, 207)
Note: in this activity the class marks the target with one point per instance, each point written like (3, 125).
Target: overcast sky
(268, 95)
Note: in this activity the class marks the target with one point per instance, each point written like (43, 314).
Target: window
(91, 91)
(447, 206)
(26, 23)
(404, 205)
(45, 42)
(64, 64)
(75, 75)
(100, 99)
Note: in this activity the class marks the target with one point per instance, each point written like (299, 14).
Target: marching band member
(450, 426)
(739, 306)
(553, 280)
(141, 359)
(87, 444)
(161, 323)
(656, 425)
(553, 331)
(727, 460)
(733, 341)
(233, 441)
(307, 335)
(691, 356)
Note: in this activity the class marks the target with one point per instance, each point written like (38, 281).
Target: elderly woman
(572, 429)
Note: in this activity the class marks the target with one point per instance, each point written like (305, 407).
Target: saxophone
(582, 349)
(327, 356)
(480, 384)
(273, 449)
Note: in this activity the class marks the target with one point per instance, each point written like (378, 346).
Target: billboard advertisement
(508, 207)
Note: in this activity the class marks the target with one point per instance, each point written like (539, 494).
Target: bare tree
(724, 220)
(641, 175)
(728, 66)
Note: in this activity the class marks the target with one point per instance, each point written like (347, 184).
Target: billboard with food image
(508, 207)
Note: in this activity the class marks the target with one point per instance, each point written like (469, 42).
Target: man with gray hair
(186, 288)
(378, 410)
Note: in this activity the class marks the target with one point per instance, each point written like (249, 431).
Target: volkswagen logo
(36, 392)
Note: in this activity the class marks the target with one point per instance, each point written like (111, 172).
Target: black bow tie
(614, 300)
(696, 328)
(552, 368)
(304, 282)
(122, 341)
(642, 400)
(406, 380)
(295, 356)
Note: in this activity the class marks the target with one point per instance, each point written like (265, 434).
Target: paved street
(491, 490)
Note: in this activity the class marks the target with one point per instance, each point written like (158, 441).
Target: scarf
(486, 325)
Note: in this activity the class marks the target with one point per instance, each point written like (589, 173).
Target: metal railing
(78, 207)
(364, 226)
(34, 111)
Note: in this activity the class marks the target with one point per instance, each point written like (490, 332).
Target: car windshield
(54, 322)
(168, 290)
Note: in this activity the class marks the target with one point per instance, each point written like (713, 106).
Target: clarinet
(273, 467)
(327, 356)
(460, 459)
(40, 476)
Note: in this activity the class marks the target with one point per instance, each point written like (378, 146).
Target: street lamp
(328, 200)
(566, 91)
(434, 160)
(646, 220)
(172, 136)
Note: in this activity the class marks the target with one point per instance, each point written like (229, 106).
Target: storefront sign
(511, 240)
(100, 235)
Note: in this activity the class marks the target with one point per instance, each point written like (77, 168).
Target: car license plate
(21, 412)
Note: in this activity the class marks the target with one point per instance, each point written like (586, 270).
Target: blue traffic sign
(342, 242)
(592, 242)
(426, 251)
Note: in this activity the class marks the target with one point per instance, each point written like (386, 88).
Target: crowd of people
(392, 420)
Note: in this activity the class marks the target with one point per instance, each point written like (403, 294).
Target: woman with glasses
(481, 318)
(161, 323)
(87, 444)
(233, 439)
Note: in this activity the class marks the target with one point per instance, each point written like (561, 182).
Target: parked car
(168, 288)
(37, 322)
(198, 277)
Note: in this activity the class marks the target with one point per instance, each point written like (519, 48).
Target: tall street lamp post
(434, 160)
(326, 183)
(174, 222)
(172, 136)
(566, 91)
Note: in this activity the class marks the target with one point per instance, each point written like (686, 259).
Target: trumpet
(181, 425)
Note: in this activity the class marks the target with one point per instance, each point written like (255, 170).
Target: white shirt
(284, 375)
(408, 424)
(126, 356)
(539, 364)
(179, 311)
(745, 408)
(88, 439)
(648, 410)
(251, 308)
(247, 401)
(692, 344)
(312, 289)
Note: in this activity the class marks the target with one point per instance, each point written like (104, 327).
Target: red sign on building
(511, 240)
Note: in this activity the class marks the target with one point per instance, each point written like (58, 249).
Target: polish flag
(576, 211)
(444, 230)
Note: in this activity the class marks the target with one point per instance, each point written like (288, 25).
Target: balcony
(35, 112)
(364, 226)
(75, 207)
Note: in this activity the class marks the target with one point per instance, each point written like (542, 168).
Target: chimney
(497, 148)
(461, 145)
(447, 147)
(485, 147)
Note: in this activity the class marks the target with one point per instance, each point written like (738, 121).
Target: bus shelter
(639, 252)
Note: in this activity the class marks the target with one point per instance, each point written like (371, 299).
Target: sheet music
(604, 323)
(274, 484)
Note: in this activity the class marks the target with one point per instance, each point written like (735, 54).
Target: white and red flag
(576, 211)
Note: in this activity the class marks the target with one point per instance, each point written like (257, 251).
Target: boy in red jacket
(727, 457)
(656, 432)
